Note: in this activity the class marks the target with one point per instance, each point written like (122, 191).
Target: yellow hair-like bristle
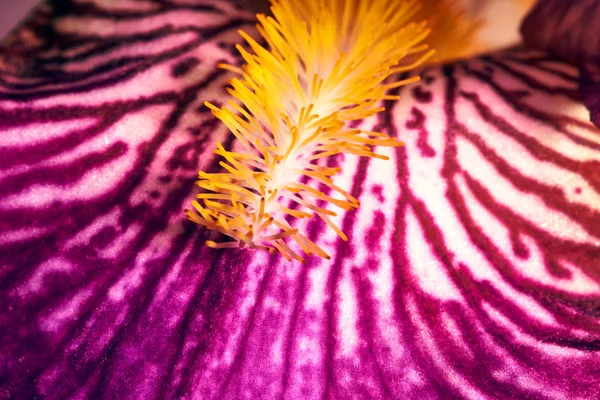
(325, 64)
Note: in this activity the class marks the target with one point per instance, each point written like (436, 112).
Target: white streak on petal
(427, 270)
(53, 267)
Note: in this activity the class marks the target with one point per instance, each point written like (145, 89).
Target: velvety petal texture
(570, 30)
(472, 268)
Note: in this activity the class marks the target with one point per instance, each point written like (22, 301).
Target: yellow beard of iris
(325, 65)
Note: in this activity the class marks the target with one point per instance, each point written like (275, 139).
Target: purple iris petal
(570, 30)
(589, 88)
(567, 29)
(471, 270)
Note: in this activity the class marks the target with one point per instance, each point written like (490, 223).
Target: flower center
(325, 65)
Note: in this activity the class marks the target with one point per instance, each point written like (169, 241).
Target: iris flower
(471, 269)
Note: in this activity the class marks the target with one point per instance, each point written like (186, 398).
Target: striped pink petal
(473, 264)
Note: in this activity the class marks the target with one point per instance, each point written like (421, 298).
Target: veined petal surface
(570, 30)
(472, 268)
(567, 29)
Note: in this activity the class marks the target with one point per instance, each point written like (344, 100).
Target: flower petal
(567, 29)
(570, 31)
(471, 269)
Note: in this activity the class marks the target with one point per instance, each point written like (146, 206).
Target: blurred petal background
(472, 271)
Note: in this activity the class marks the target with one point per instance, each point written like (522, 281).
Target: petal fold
(570, 30)
(567, 29)
(472, 269)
